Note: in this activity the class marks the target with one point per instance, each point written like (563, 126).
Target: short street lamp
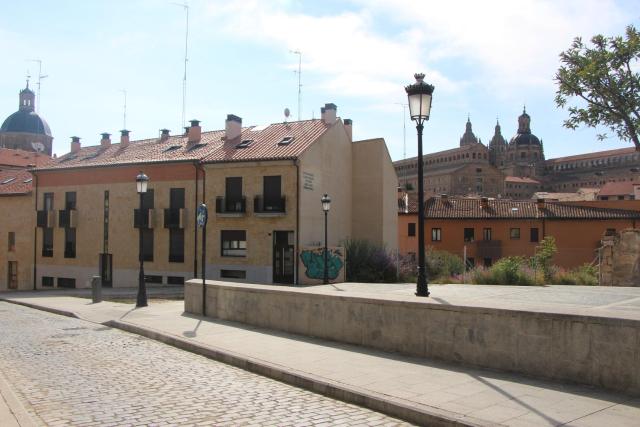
(419, 95)
(326, 205)
(142, 181)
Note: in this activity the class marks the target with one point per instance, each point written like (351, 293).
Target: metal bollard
(96, 289)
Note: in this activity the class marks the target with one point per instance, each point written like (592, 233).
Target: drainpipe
(195, 222)
(35, 236)
(297, 251)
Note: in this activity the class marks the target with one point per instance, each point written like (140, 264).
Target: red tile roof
(622, 188)
(21, 158)
(211, 148)
(521, 179)
(471, 208)
(15, 182)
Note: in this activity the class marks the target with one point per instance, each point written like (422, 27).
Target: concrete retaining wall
(603, 352)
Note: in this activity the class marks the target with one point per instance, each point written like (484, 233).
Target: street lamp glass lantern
(419, 95)
(326, 203)
(142, 181)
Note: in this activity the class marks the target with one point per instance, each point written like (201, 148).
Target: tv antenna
(299, 72)
(124, 110)
(404, 135)
(40, 77)
(185, 6)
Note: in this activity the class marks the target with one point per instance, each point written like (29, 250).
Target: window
(514, 234)
(233, 274)
(471, 263)
(487, 262)
(411, 229)
(286, 140)
(64, 282)
(175, 280)
(233, 243)
(610, 232)
(70, 200)
(12, 241)
(47, 282)
(534, 234)
(245, 143)
(153, 279)
(69, 242)
(147, 244)
(47, 242)
(469, 235)
(176, 235)
(436, 234)
(486, 234)
(272, 193)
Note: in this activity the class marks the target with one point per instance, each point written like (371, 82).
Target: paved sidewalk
(12, 413)
(450, 393)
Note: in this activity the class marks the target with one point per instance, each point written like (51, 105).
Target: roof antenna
(185, 6)
(299, 72)
(40, 77)
(124, 109)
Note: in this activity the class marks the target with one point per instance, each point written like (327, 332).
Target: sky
(487, 59)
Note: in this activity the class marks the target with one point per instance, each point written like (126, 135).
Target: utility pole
(185, 6)
(40, 77)
(299, 72)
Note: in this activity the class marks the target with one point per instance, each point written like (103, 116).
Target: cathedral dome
(26, 122)
(524, 135)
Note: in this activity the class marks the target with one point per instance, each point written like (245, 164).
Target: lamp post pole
(141, 181)
(326, 205)
(420, 96)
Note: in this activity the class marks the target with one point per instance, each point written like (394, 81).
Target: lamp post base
(141, 301)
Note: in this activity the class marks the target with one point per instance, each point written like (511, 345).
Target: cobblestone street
(68, 372)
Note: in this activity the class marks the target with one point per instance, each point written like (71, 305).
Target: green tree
(605, 79)
(544, 253)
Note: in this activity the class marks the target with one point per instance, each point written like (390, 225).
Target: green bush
(368, 263)
(542, 259)
(585, 275)
(507, 271)
(443, 265)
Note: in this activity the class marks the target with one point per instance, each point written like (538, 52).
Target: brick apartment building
(490, 229)
(262, 185)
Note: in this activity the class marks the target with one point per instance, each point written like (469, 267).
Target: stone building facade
(515, 169)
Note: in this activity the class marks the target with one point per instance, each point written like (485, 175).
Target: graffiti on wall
(313, 260)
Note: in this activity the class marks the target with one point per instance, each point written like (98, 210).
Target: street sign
(202, 215)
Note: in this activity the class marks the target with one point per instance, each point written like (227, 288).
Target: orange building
(489, 229)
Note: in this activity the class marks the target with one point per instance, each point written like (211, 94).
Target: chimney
(164, 134)
(124, 138)
(328, 113)
(186, 131)
(106, 140)
(484, 202)
(194, 133)
(348, 126)
(75, 144)
(232, 127)
(540, 203)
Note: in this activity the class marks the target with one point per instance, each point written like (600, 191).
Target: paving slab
(457, 395)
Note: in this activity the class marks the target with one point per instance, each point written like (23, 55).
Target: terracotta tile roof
(21, 158)
(594, 155)
(524, 180)
(211, 148)
(622, 188)
(15, 182)
(471, 208)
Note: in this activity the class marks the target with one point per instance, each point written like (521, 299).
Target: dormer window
(245, 143)
(197, 146)
(8, 180)
(286, 140)
(172, 148)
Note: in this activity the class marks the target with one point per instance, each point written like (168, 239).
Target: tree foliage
(605, 77)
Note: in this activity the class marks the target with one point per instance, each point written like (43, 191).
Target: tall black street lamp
(142, 181)
(419, 95)
(326, 205)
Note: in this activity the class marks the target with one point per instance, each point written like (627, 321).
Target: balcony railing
(235, 205)
(174, 218)
(45, 219)
(270, 205)
(67, 218)
(147, 218)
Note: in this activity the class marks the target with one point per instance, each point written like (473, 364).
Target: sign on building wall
(312, 259)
